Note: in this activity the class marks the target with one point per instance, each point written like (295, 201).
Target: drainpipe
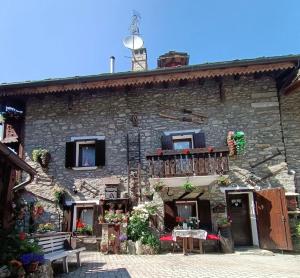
(24, 183)
(20, 164)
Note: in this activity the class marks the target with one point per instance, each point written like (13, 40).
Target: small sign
(111, 192)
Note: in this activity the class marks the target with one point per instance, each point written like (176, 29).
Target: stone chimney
(173, 59)
(139, 59)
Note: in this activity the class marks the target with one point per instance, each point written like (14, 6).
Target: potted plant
(188, 187)
(224, 222)
(104, 246)
(111, 239)
(42, 156)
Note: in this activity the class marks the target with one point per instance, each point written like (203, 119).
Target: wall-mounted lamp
(74, 189)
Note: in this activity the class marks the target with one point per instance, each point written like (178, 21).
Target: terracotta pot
(32, 267)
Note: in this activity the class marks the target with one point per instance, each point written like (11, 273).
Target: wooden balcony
(191, 162)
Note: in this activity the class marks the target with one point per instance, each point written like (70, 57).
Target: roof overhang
(118, 80)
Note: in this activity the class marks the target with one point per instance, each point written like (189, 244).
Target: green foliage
(137, 228)
(298, 229)
(59, 195)
(112, 217)
(188, 187)
(150, 239)
(12, 246)
(158, 186)
(86, 230)
(223, 180)
(38, 154)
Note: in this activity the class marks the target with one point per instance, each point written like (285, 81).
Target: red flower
(210, 149)
(79, 224)
(185, 151)
(159, 152)
(22, 236)
(179, 219)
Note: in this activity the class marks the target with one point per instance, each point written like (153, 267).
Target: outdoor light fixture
(74, 189)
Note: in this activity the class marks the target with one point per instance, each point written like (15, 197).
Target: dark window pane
(86, 155)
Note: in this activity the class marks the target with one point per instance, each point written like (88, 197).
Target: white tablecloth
(200, 234)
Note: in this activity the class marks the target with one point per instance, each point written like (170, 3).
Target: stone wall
(250, 105)
(290, 112)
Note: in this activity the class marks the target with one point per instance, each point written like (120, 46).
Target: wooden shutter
(272, 219)
(204, 215)
(167, 142)
(100, 153)
(70, 155)
(170, 215)
(199, 140)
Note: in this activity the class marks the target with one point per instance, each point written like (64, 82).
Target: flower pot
(45, 159)
(32, 267)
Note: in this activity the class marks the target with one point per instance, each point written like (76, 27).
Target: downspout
(20, 164)
(24, 183)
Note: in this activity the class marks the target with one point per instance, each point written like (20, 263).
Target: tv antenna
(134, 41)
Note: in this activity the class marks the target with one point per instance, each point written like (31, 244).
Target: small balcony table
(189, 235)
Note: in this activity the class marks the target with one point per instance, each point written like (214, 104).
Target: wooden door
(204, 215)
(272, 219)
(238, 211)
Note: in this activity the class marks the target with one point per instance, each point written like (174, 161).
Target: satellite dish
(133, 42)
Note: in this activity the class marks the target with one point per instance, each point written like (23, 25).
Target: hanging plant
(59, 196)
(223, 181)
(188, 187)
(42, 156)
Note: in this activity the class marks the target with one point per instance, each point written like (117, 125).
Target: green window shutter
(70, 155)
(100, 153)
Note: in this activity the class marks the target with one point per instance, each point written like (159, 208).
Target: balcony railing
(198, 162)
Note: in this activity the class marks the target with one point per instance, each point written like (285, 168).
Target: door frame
(252, 212)
(75, 205)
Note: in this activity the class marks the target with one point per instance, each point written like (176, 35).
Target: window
(187, 209)
(85, 153)
(183, 140)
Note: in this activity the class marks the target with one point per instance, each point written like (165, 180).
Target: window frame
(80, 143)
(183, 138)
(188, 202)
(84, 140)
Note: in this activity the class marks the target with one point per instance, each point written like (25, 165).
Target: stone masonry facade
(251, 105)
(290, 107)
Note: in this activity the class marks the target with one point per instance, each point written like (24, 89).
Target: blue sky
(59, 38)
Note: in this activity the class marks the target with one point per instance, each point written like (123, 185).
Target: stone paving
(95, 264)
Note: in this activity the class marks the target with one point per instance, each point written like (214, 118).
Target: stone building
(115, 137)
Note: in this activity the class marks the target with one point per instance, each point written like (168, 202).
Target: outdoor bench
(54, 248)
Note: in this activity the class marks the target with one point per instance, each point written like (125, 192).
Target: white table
(189, 235)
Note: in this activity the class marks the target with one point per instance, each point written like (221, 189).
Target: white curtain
(184, 210)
